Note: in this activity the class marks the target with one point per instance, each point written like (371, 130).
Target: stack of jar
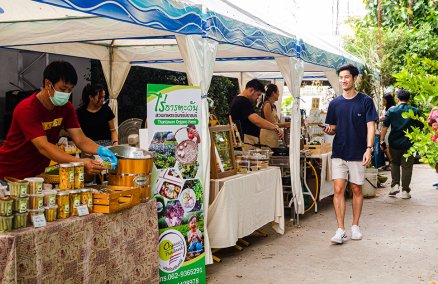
(35, 197)
(13, 208)
(71, 193)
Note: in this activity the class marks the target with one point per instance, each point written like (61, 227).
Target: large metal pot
(134, 167)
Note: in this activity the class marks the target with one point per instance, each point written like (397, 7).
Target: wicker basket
(55, 178)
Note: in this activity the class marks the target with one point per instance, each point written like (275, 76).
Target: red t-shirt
(19, 158)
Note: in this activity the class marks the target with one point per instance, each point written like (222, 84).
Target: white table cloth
(245, 203)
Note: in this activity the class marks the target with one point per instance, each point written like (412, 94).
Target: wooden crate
(121, 197)
(318, 149)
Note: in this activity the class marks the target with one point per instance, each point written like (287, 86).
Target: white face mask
(59, 98)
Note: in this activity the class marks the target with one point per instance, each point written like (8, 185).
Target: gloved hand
(107, 156)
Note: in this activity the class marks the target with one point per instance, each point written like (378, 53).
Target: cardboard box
(318, 149)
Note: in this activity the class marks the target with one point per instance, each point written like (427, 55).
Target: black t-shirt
(95, 124)
(241, 109)
(351, 117)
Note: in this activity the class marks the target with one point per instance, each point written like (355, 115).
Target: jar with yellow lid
(75, 202)
(63, 202)
(66, 176)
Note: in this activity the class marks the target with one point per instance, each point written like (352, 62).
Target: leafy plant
(423, 139)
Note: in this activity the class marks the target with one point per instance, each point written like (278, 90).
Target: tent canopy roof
(145, 34)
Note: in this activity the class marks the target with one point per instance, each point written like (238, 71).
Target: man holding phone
(351, 118)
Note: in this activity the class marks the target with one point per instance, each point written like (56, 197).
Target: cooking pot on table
(134, 168)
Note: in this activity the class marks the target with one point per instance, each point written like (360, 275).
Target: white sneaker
(339, 237)
(355, 233)
(405, 195)
(394, 190)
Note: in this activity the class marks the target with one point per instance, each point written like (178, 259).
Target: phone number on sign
(183, 273)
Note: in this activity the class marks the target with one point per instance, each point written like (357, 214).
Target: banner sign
(173, 137)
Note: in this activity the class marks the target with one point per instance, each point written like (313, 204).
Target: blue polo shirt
(351, 117)
(397, 138)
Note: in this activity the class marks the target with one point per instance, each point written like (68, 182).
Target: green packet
(52, 170)
(107, 165)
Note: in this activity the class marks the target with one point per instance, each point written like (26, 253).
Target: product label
(83, 210)
(52, 200)
(9, 209)
(22, 205)
(40, 203)
(39, 221)
(39, 187)
(76, 202)
(67, 208)
(23, 190)
(81, 176)
(71, 175)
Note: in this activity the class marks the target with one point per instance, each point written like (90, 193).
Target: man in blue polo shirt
(399, 144)
(351, 118)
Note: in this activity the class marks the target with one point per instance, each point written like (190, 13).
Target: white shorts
(353, 171)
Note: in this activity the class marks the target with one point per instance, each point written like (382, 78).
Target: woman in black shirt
(95, 118)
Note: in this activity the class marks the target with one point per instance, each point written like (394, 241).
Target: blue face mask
(59, 98)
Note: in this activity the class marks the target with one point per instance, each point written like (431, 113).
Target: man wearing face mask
(36, 124)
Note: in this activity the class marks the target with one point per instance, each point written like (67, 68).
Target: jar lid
(36, 211)
(51, 207)
(37, 179)
(36, 195)
(75, 191)
(85, 190)
(65, 165)
(77, 164)
(61, 193)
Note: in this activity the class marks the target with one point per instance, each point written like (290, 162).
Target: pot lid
(128, 152)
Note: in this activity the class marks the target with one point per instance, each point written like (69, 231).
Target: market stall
(244, 203)
(188, 44)
(96, 248)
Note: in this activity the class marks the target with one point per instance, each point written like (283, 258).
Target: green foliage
(419, 77)
(369, 83)
(222, 90)
(396, 13)
(421, 137)
(286, 106)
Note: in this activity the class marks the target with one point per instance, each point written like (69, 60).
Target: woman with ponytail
(95, 117)
(269, 112)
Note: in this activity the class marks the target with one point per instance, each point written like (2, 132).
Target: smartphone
(322, 125)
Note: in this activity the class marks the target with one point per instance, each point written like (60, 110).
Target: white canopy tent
(189, 36)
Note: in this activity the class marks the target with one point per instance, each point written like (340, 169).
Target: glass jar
(6, 206)
(66, 176)
(50, 212)
(20, 220)
(87, 198)
(78, 175)
(19, 189)
(63, 202)
(35, 185)
(19, 204)
(49, 197)
(36, 201)
(75, 201)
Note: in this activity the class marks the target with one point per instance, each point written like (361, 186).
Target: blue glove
(107, 156)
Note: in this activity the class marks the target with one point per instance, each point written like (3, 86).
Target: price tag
(83, 210)
(39, 221)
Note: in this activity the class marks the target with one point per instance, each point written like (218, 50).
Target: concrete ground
(399, 245)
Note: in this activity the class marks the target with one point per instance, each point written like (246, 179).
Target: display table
(98, 248)
(243, 204)
(325, 182)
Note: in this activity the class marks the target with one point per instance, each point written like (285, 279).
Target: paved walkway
(400, 244)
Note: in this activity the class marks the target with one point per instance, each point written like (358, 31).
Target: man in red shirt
(36, 124)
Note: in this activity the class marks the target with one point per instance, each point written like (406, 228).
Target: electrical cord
(317, 187)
